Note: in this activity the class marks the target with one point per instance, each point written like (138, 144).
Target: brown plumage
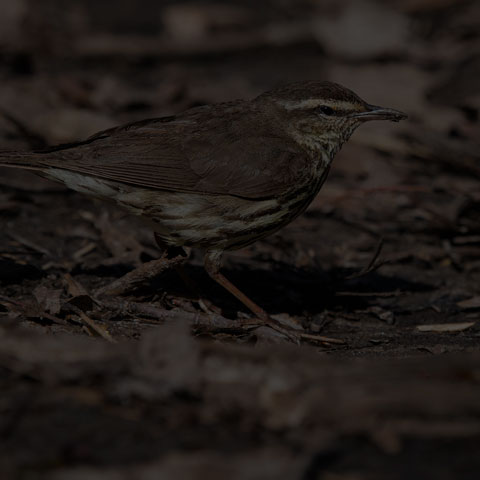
(220, 176)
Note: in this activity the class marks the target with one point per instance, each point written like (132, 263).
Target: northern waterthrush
(218, 177)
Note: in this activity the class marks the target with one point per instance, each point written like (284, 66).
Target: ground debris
(169, 387)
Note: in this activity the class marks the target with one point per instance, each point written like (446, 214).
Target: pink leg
(212, 266)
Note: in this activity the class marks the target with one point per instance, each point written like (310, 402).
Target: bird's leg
(212, 266)
(171, 252)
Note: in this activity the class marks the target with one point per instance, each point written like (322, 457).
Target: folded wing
(182, 156)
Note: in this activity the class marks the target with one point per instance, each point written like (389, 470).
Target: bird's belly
(205, 221)
(216, 221)
(212, 221)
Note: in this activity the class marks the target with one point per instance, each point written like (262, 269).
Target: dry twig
(136, 277)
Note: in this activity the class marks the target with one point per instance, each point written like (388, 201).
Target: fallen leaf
(48, 298)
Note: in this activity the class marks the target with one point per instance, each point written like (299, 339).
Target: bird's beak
(379, 113)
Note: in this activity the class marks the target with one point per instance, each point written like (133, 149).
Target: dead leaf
(48, 299)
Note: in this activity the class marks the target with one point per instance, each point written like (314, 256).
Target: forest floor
(105, 376)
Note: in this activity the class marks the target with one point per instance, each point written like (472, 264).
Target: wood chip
(473, 302)
(445, 327)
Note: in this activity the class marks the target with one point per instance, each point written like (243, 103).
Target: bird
(216, 177)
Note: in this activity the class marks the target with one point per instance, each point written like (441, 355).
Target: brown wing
(188, 156)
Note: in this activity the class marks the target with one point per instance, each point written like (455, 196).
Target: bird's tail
(24, 160)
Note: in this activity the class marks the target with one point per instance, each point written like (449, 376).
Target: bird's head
(322, 115)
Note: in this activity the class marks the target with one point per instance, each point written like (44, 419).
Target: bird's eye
(326, 110)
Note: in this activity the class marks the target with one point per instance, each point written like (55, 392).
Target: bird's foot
(289, 332)
(295, 335)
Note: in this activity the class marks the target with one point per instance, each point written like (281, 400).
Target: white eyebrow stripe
(315, 102)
